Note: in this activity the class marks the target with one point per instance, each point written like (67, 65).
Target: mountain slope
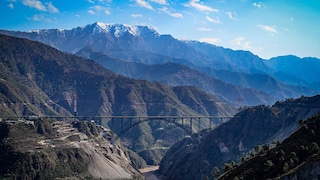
(304, 68)
(266, 83)
(254, 89)
(176, 74)
(39, 149)
(58, 76)
(230, 141)
(297, 157)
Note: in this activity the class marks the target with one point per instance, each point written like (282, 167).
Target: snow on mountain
(119, 30)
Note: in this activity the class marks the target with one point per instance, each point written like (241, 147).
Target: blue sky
(267, 28)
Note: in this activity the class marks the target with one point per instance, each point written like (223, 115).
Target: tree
(269, 164)
(233, 164)
(227, 167)
(215, 172)
(236, 178)
(314, 148)
(285, 167)
(257, 149)
(300, 123)
(265, 147)
(243, 159)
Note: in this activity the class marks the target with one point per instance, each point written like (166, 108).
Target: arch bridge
(190, 124)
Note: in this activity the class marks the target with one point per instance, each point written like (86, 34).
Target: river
(148, 172)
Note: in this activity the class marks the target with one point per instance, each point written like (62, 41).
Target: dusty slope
(52, 149)
(101, 167)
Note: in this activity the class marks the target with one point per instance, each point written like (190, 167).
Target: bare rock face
(56, 149)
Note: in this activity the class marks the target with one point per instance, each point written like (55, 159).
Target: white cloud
(144, 4)
(240, 42)
(176, 15)
(213, 20)
(200, 6)
(35, 4)
(270, 29)
(91, 12)
(11, 6)
(204, 29)
(232, 15)
(136, 15)
(258, 5)
(210, 40)
(40, 17)
(107, 12)
(40, 6)
(95, 10)
(99, 1)
(51, 8)
(163, 2)
(287, 29)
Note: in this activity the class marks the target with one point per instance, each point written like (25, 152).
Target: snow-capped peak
(121, 29)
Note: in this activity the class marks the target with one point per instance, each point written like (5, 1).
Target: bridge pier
(182, 121)
(121, 125)
(191, 125)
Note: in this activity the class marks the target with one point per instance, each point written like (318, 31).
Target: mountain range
(38, 80)
(133, 50)
(123, 70)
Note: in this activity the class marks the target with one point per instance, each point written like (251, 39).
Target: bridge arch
(176, 122)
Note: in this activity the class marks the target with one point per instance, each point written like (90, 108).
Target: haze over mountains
(140, 52)
(37, 79)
